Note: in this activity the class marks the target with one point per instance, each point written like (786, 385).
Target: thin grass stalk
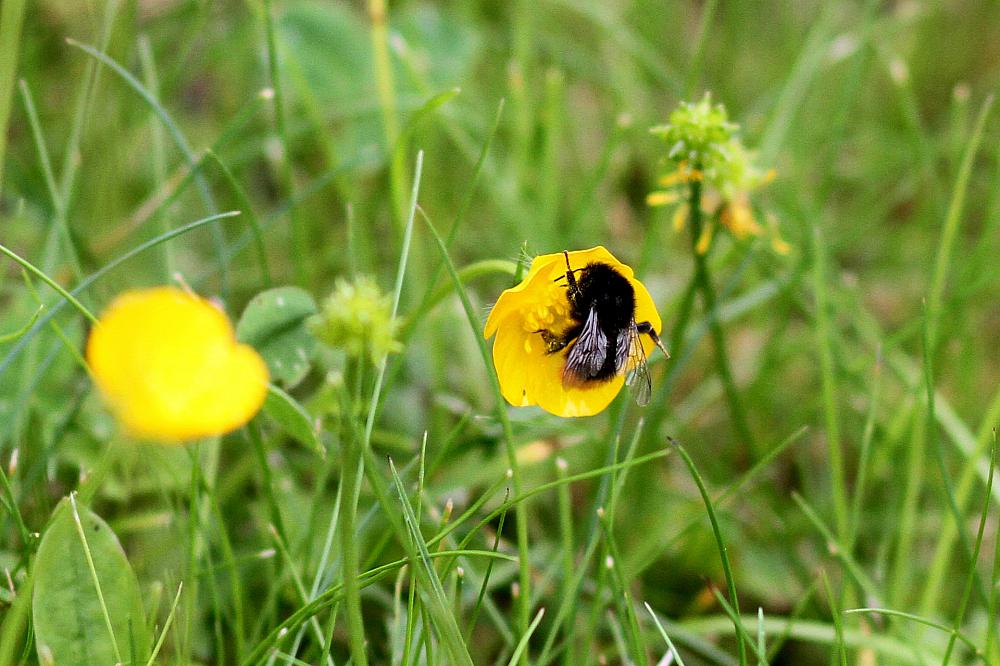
(37, 272)
(926, 622)
(378, 15)
(58, 203)
(761, 638)
(734, 616)
(522, 645)
(817, 633)
(179, 139)
(157, 150)
(11, 21)
(991, 613)
(438, 607)
(568, 548)
(967, 590)
(663, 634)
(851, 566)
(694, 71)
(84, 104)
(520, 512)
(99, 273)
(723, 552)
(949, 232)
(299, 242)
(619, 586)
(166, 626)
(828, 376)
(251, 217)
(486, 578)
(351, 450)
(235, 589)
(864, 456)
(947, 486)
(835, 612)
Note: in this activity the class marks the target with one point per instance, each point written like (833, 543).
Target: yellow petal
(168, 365)
(661, 198)
(705, 239)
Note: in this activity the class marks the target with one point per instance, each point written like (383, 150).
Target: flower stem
(704, 283)
(350, 480)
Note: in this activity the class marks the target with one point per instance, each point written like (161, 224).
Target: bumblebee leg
(647, 328)
(553, 342)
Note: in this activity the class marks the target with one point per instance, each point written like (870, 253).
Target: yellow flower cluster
(705, 148)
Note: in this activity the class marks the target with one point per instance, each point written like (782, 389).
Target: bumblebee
(602, 341)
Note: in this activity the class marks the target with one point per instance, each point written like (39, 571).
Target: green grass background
(867, 111)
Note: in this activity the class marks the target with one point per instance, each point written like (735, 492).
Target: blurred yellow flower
(168, 364)
(529, 373)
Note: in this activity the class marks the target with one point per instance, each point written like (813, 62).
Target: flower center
(549, 313)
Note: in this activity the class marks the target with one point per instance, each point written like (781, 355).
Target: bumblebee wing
(587, 355)
(631, 358)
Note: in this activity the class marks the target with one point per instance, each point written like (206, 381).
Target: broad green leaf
(274, 323)
(292, 417)
(70, 625)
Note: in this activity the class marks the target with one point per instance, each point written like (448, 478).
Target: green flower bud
(357, 318)
(697, 133)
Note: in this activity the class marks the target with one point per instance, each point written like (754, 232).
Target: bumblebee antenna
(569, 271)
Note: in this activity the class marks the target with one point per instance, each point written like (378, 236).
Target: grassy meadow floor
(818, 446)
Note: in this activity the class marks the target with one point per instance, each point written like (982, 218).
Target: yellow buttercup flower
(531, 374)
(168, 364)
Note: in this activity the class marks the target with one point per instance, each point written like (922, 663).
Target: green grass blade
(834, 546)
(723, 551)
(396, 295)
(179, 139)
(924, 621)
(437, 601)
(93, 575)
(11, 20)
(761, 638)
(14, 335)
(96, 275)
(824, 343)
(37, 272)
(663, 634)
(971, 578)
(521, 516)
(166, 626)
(58, 203)
(620, 590)
(835, 612)
(522, 645)
(949, 232)
(246, 207)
